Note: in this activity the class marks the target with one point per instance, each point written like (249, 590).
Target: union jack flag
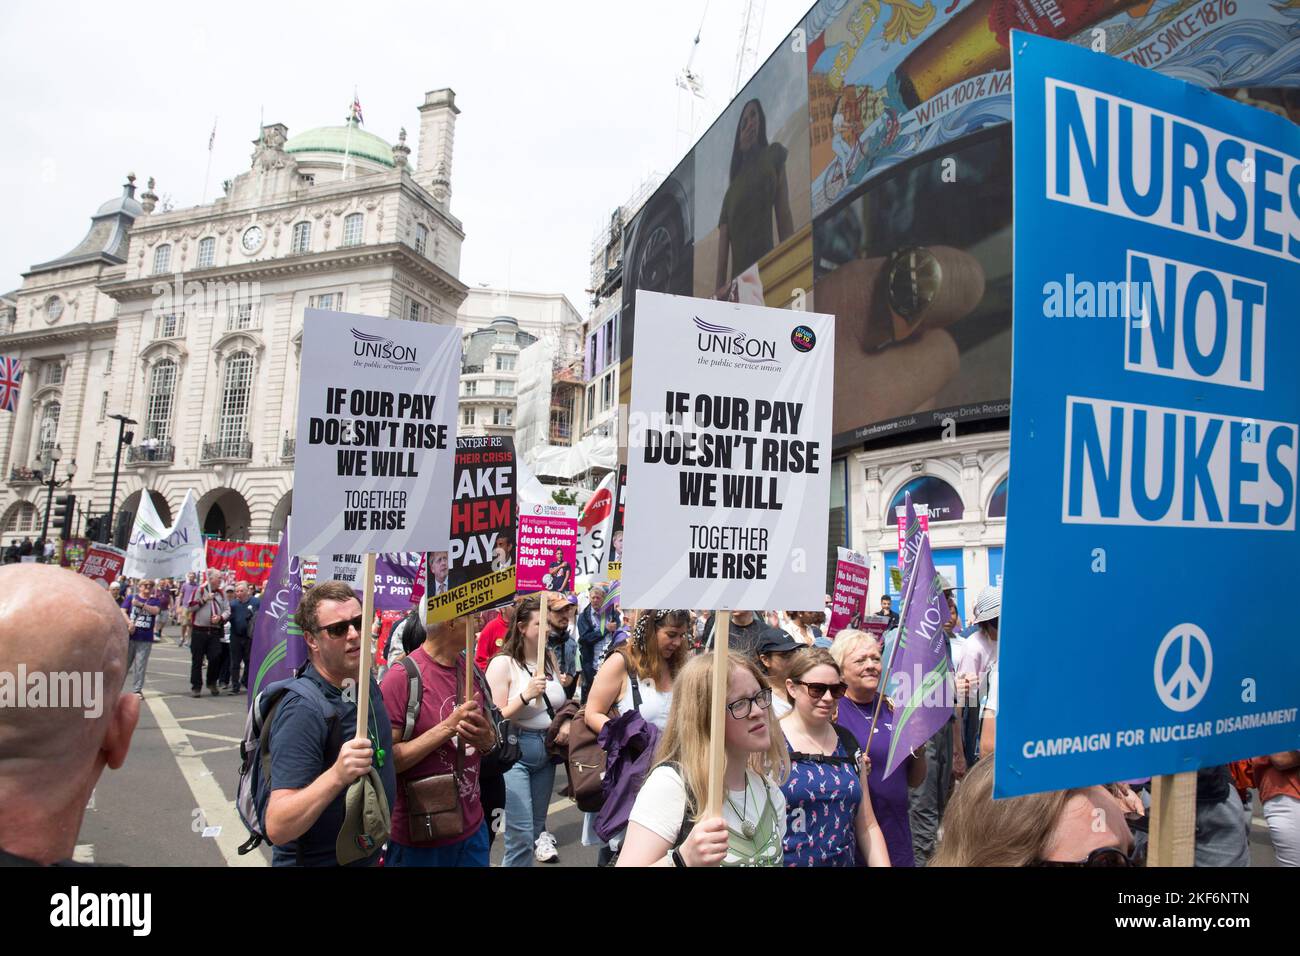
(11, 376)
(356, 109)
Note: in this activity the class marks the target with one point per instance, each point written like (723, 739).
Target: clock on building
(252, 239)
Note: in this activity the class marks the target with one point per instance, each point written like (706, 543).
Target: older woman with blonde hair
(863, 709)
(1086, 826)
(666, 826)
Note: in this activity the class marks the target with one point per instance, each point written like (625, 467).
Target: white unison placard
(729, 456)
(376, 435)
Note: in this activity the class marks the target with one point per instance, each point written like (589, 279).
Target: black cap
(774, 640)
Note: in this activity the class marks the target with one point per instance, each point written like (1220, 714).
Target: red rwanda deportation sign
(244, 561)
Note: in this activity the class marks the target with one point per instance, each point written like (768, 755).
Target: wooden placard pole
(469, 657)
(1173, 820)
(718, 725)
(543, 630)
(363, 671)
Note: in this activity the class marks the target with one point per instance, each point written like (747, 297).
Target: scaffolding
(607, 244)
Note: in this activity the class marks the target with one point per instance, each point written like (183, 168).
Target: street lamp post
(52, 458)
(123, 437)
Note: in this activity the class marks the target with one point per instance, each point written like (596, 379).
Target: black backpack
(496, 761)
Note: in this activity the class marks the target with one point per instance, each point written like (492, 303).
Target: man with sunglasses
(313, 759)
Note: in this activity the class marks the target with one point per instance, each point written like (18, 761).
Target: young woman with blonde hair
(666, 828)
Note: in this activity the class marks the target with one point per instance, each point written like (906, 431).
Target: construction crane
(691, 87)
(751, 34)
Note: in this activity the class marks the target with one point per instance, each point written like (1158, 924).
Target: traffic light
(92, 529)
(65, 506)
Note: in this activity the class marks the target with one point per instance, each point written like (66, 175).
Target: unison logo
(377, 346)
(720, 339)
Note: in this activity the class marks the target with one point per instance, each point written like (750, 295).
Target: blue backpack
(255, 750)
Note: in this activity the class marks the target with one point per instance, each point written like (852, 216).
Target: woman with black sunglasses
(1083, 827)
(829, 820)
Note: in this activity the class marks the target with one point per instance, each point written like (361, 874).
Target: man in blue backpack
(314, 759)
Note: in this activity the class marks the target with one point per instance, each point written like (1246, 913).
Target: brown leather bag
(586, 759)
(433, 810)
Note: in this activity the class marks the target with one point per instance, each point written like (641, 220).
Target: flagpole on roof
(347, 142)
(208, 172)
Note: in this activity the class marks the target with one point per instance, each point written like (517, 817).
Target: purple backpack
(629, 744)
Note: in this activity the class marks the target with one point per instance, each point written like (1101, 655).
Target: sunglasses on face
(1108, 856)
(740, 709)
(339, 629)
(818, 691)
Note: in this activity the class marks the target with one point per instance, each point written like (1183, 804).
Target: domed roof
(123, 204)
(348, 139)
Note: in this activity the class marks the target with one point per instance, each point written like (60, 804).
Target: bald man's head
(63, 635)
(63, 717)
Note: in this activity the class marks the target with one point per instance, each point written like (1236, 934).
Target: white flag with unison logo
(156, 551)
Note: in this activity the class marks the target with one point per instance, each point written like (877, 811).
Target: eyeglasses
(818, 691)
(1110, 856)
(339, 629)
(740, 709)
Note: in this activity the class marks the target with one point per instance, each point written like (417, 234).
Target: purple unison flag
(920, 664)
(278, 647)
(396, 577)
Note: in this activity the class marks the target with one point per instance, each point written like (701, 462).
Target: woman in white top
(518, 694)
(753, 821)
(654, 655)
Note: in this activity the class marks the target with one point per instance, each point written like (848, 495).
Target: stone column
(19, 452)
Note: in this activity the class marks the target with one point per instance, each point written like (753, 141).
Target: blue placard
(1151, 533)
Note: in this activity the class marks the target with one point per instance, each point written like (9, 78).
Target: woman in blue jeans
(518, 692)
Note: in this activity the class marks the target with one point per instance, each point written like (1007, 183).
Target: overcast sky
(566, 107)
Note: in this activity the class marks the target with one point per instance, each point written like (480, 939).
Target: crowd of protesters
(808, 716)
(214, 618)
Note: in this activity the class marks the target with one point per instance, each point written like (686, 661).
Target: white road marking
(201, 733)
(218, 810)
(224, 713)
(561, 804)
(214, 750)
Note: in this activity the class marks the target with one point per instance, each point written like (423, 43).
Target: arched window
(162, 390)
(49, 428)
(21, 518)
(207, 253)
(353, 227)
(944, 502)
(162, 259)
(235, 391)
(998, 503)
(301, 238)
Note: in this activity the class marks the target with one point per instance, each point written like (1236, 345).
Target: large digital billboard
(865, 171)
